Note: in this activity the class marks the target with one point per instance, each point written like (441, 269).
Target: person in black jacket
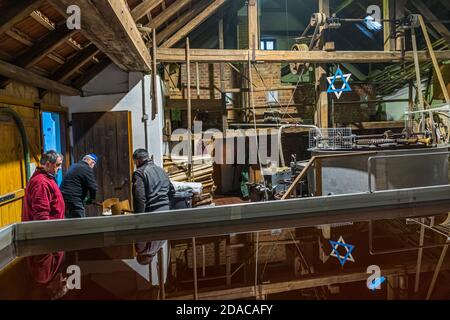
(77, 183)
(152, 191)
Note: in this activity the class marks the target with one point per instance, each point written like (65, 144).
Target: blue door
(51, 129)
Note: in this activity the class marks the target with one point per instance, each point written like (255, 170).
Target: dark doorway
(107, 134)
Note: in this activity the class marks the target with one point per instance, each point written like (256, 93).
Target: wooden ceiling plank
(17, 12)
(43, 47)
(191, 25)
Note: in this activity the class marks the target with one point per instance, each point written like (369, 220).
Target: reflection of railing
(370, 160)
(317, 162)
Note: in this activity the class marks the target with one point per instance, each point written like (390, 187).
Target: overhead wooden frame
(230, 55)
(194, 23)
(110, 26)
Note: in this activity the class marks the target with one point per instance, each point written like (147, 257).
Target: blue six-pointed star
(345, 86)
(335, 253)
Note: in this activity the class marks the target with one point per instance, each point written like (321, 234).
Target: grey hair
(50, 156)
(141, 154)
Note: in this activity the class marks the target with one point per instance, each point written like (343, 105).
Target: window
(268, 44)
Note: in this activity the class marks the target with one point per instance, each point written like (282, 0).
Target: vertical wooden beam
(435, 62)
(194, 266)
(222, 79)
(321, 81)
(154, 78)
(253, 25)
(189, 111)
(386, 25)
(162, 291)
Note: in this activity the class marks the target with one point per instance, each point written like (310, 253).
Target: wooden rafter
(426, 12)
(229, 55)
(191, 25)
(44, 47)
(110, 26)
(28, 77)
(91, 73)
(16, 12)
(183, 20)
(145, 7)
(160, 19)
(74, 63)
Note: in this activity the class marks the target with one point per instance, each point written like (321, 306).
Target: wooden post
(392, 285)
(162, 291)
(321, 118)
(318, 169)
(253, 26)
(154, 79)
(194, 266)
(222, 79)
(189, 111)
(386, 26)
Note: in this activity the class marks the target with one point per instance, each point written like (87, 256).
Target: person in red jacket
(43, 199)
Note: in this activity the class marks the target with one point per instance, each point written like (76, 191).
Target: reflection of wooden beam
(25, 76)
(194, 23)
(16, 12)
(310, 281)
(145, 7)
(229, 55)
(110, 26)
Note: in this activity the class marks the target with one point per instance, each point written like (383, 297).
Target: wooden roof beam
(229, 55)
(110, 26)
(428, 14)
(145, 7)
(194, 23)
(74, 63)
(160, 19)
(91, 73)
(28, 77)
(16, 12)
(183, 20)
(44, 47)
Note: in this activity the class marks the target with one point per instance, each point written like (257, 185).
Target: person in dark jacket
(43, 199)
(152, 191)
(77, 183)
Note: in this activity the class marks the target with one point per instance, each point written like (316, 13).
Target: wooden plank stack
(202, 172)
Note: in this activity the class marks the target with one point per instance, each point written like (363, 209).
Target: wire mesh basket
(331, 138)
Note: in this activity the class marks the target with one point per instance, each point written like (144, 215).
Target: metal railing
(370, 160)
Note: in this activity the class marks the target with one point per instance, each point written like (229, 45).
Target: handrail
(369, 162)
(311, 162)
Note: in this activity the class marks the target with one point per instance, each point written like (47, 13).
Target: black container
(181, 200)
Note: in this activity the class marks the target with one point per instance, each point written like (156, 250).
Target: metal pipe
(369, 162)
(419, 258)
(436, 271)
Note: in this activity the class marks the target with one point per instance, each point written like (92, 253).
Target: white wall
(108, 92)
